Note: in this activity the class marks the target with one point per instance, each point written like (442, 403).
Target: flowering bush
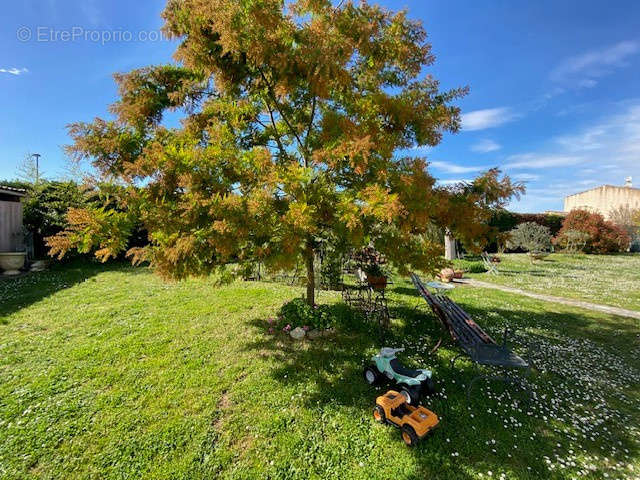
(370, 261)
(604, 236)
(297, 313)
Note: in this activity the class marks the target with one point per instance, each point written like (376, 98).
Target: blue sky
(554, 99)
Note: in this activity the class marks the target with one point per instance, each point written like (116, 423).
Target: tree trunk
(450, 252)
(311, 276)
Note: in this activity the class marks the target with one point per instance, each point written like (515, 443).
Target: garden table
(440, 288)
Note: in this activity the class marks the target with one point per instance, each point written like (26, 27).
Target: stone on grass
(298, 333)
(313, 334)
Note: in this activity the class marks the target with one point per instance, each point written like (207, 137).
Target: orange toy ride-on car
(414, 422)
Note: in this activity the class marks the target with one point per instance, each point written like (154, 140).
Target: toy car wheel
(379, 415)
(371, 375)
(409, 436)
(411, 394)
(428, 387)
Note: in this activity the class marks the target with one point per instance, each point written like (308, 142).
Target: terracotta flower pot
(12, 262)
(377, 283)
(447, 274)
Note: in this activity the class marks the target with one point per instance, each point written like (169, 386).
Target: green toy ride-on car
(412, 384)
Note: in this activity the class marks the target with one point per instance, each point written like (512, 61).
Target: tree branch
(276, 135)
(284, 118)
(310, 126)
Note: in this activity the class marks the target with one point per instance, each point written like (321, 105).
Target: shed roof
(18, 192)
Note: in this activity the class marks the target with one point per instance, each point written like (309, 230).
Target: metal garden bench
(475, 342)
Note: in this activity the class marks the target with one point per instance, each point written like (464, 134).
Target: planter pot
(377, 283)
(458, 274)
(12, 262)
(447, 274)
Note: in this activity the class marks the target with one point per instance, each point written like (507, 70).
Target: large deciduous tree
(294, 114)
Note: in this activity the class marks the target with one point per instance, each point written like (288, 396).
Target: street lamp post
(37, 157)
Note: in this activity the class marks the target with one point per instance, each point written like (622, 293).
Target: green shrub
(477, 267)
(45, 209)
(574, 241)
(531, 237)
(297, 313)
(247, 270)
(471, 266)
(506, 221)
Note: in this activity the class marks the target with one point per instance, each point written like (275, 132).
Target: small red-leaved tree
(294, 114)
(603, 236)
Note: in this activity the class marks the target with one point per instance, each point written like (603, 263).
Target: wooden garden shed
(11, 234)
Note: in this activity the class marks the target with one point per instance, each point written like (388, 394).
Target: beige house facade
(605, 198)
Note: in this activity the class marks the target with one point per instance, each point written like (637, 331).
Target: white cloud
(615, 139)
(487, 118)
(526, 177)
(485, 146)
(14, 71)
(449, 167)
(535, 161)
(604, 152)
(584, 70)
(588, 139)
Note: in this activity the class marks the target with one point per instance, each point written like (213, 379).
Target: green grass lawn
(605, 279)
(108, 373)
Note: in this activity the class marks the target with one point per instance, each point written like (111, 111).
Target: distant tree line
(506, 221)
(579, 231)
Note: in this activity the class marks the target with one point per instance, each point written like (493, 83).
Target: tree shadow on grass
(335, 367)
(21, 292)
(496, 430)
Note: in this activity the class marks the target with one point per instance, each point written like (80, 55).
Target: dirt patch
(224, 402)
